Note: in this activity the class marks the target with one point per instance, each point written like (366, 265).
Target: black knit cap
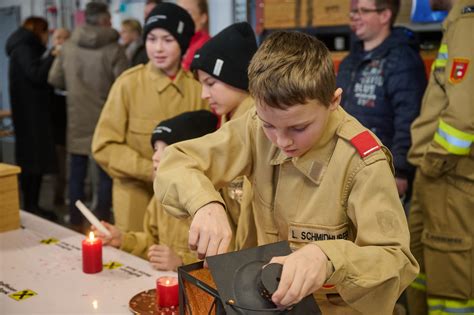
(174, 19)
(185, 126)
(227, 55)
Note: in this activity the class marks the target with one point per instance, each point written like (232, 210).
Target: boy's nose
(205, 92)
(283, 141)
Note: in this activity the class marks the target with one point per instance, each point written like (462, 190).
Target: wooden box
(404, 14)
(286, 13)
(9, 198)
(331, 12)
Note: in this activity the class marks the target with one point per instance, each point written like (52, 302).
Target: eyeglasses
(364, 11)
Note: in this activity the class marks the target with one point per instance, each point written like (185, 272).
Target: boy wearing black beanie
(221, 67)
(164, 240)
(139, 99)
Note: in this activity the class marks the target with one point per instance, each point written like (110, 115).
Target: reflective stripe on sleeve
(442, 57)
(453, 140)
(446, 307)
(419, 283)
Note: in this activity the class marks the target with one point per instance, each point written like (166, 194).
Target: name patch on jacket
(298, 233)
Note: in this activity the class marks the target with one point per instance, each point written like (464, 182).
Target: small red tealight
(167, 291)
(91, 254)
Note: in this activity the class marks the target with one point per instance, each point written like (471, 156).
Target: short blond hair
(291, 68)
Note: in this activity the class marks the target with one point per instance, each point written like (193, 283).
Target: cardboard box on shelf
(286, 13)
(330, 12)
(9, 198)
(404, 14)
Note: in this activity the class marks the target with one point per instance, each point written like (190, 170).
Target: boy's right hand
(115, 238)
(210, 233)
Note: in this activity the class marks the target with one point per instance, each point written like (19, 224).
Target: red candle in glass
(167, 291)
(91, 254)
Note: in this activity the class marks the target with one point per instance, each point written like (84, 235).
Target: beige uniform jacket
(346, 204)
(443, 134)
(441, 213)
(159, 227)
(139, 99)
(238, 197)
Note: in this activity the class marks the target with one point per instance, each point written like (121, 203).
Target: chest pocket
(264, 214)
(138, 135)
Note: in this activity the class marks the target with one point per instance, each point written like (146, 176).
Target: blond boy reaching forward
(320, 180)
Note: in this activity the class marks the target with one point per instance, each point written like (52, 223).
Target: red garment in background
(197, 41)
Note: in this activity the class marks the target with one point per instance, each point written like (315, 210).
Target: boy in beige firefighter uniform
(221, 66)
(441, 214)
(320, 180)
(164, 239)
(139, 99)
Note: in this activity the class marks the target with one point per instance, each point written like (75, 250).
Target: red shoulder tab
(365, 143)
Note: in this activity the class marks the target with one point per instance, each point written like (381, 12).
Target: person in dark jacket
(383, 79)
(30, 101)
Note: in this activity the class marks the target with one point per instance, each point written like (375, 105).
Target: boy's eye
(267, 126)
(299, 129)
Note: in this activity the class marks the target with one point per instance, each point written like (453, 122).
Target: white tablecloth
(41, 273)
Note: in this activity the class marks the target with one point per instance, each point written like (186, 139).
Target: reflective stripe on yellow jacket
(346, 204)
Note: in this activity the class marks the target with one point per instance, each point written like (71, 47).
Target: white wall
(220, 15)
(28, 7)
(220, 11)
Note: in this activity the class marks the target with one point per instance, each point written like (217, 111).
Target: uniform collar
(243, 107)
(313, 163)
(162, 81)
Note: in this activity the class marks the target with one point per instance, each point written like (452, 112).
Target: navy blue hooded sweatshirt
(383, 89)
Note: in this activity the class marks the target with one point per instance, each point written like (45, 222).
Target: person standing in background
(142, 97)
(59, 121)
(30, 105)
(87, 66)
(383, 80)
(198, 9)
(441, 213)
(131, 37)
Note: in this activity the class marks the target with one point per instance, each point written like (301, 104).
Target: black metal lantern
(237, 283)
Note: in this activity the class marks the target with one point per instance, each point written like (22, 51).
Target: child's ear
(336, 99)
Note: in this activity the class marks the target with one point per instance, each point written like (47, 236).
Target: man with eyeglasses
(383, 79)
(442, 210)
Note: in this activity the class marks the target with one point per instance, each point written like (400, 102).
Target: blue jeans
(78, 173)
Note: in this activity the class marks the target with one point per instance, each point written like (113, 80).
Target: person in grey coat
(86, 67)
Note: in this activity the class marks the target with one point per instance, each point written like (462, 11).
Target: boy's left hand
(304, 272)
(162, 257)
